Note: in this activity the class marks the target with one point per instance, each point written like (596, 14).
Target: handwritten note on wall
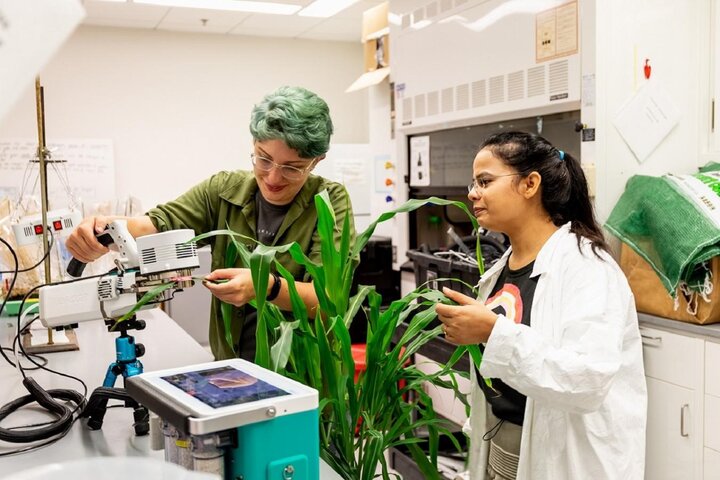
(88, 173)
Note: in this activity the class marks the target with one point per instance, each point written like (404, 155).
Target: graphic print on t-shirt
(507, 301)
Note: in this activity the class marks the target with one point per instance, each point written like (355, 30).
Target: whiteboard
(350, 164)
(88, 173)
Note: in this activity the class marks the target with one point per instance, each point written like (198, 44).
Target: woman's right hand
(82, 243)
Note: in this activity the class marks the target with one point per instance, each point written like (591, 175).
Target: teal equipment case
(268, 424)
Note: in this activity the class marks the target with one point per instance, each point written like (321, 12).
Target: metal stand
(125, 365)
(43, 158)
(126, 351)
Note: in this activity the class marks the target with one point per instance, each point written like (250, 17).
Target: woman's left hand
(468, 323)
(236, 287)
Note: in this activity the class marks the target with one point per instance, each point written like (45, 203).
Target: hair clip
(561, 154)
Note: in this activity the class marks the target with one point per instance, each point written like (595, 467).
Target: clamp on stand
(127, 365)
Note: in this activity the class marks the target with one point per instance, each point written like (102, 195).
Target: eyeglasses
(483, 182)
(291, 173)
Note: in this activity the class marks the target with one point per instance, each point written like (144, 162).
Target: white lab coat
(580, 365)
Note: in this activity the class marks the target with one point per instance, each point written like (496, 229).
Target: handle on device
(75, 267)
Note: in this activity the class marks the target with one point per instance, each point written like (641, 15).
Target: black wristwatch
(275, 289)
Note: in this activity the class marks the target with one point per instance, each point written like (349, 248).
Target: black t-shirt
(511, 296)
(269, 219)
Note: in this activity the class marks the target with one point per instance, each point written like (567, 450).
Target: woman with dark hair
(561, 392)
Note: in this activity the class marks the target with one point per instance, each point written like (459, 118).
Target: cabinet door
(712, 464)
(672, 442)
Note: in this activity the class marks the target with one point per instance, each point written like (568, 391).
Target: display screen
(224, 386)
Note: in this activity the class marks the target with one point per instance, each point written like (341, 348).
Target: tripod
(127, 365)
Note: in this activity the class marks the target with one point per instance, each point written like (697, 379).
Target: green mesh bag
(673, 222)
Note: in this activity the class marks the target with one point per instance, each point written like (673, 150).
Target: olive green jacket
(227, 200)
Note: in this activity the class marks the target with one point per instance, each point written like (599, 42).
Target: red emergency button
(57, 225)
(38, 229)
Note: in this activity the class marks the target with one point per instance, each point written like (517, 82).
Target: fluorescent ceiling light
(230, 5)
(325, 8)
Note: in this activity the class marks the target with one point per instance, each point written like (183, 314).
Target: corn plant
(360, 420)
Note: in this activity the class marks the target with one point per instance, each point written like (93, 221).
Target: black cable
(66, 417)
(16, 271)
(39, 357)
(10, 289)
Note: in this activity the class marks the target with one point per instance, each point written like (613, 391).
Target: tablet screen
(224, 386)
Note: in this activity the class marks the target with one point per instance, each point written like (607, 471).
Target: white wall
(177, 105)
(675, 36)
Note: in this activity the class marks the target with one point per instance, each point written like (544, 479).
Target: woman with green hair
(273, 204)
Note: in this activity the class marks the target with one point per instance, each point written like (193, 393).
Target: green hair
(296, 116)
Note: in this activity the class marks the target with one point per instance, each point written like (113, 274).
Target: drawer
(674, 358)
(712, 422)
(712, 368)
(711, 465)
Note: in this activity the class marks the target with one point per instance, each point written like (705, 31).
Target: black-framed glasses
(483, 182)
(288, 172)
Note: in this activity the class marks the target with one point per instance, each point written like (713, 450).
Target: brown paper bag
(651, 297)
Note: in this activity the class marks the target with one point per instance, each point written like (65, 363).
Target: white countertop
(167, 346)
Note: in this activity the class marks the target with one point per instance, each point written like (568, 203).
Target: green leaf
(280, 351)
(148, 297)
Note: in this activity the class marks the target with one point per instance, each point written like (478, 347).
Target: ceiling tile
(280, 22)
(356, 10)
(120, 22)
(193, 16)
(123, 11)
(348, 29)
(329, 37)
(345, 26)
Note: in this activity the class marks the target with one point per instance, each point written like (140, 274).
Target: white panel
(446, 5)
(669, 452)
(673, 358)
(479, 97)
(536, 81)
(431, 10)
(433, 107)
(712, 422)
(462, 96)
(447, 101)
(478, 40)
(516, 85)
(497, 89)
(558, 77)
(407, 105)
(712, 368)
(711, 470)
(419, 106)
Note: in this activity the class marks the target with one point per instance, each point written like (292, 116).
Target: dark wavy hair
(563, 189)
